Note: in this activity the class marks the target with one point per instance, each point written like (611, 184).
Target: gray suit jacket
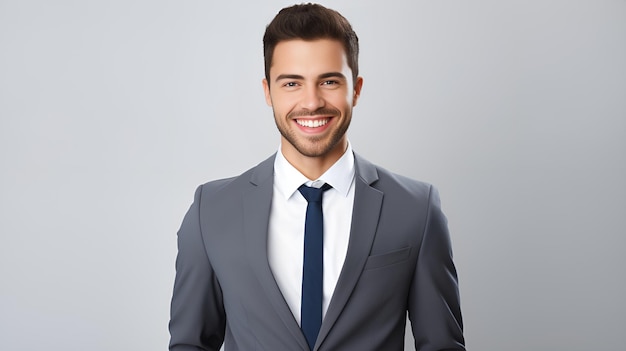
(399, 260)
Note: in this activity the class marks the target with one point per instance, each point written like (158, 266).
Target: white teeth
(312, 123)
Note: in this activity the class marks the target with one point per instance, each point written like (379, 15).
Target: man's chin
(321, 148)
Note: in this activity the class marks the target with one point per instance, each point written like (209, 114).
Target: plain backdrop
(112, 112)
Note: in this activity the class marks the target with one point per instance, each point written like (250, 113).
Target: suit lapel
(256, 211)
(365, 214)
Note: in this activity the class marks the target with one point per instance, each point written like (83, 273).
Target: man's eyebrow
(288, 76)
(321, 76)
(332, 75)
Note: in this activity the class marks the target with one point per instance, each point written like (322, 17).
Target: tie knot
(313, 194)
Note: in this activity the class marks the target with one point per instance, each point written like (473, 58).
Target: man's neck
(313, 167)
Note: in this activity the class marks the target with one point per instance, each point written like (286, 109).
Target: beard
(314, 146)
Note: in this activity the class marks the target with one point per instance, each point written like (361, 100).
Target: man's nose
(312, 99)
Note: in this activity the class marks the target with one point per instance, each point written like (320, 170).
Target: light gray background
(112, 112)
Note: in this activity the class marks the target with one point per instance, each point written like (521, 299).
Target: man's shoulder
(253, 176)
(388, 181)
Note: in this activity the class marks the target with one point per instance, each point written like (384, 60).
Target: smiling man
(312, 92)
(315, 248)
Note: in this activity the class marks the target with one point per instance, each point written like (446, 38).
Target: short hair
(311, 22)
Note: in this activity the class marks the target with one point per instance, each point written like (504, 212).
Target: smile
(312, 123)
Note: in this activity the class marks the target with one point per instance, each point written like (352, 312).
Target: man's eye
(291, 84)
(330, 82)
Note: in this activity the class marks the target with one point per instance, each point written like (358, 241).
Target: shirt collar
(287, 179)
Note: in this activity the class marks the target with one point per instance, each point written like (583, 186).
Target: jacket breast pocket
(388, 258)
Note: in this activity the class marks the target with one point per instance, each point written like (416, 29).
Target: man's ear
(266, 90)
(357, 90)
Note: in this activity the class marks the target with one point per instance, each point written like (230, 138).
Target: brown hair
(310, 22)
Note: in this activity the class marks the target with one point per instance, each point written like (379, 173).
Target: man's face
(312, 95)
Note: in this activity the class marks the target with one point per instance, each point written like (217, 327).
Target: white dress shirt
(286, 226)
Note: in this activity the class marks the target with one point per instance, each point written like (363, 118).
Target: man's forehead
(308, 54)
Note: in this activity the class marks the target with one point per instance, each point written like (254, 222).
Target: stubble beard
(314, 146)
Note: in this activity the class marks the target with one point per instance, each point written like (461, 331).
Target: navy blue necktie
(313, 268)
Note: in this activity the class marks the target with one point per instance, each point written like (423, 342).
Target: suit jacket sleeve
(434, 307)
(197, 320)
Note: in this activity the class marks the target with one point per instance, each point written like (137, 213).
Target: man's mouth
(312, 123)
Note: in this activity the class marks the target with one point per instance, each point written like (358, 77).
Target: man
(264, 266)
